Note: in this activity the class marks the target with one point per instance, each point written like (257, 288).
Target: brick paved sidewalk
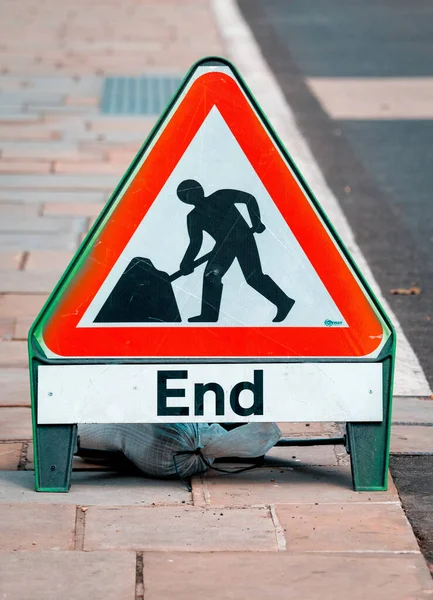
(293, 529)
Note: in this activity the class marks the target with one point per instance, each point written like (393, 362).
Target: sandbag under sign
(164, 450)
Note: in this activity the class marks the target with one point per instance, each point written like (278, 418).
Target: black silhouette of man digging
(234, 238)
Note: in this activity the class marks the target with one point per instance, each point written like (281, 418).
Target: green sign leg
(54, 450)
(368, 444)
(54, 445)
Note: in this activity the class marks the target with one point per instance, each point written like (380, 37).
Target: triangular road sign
(212, 182)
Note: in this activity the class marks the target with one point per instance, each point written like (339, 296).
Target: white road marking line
(245, 53)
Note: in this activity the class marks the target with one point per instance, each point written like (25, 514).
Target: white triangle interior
(215, 159)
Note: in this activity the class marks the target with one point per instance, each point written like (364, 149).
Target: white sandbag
(183, 449)
(248, 441)
(153, 448)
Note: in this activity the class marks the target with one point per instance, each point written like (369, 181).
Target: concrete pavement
(291, 529)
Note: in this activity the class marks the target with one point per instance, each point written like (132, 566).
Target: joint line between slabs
(198, 491)
(412, 423)
(24, 260)
(22, 463)
(279, 531)
(80, 526)
(139, 577)
(18, 440)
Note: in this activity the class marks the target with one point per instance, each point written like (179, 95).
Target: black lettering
(256, 388)
(200, 390)
(163, 393)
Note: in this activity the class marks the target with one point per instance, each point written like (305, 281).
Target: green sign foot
(368, 447)
(368, 443)
(54, 448)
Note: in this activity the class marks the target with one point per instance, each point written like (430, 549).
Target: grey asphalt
(388, 165)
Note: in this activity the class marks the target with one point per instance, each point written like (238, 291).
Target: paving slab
(84, 210)
(12, 117)
(13, 354)
(34, 133)
(346, 528)
(58, 150)
(19, 210)
(45, 84)
(103, 122)
(284, 485)
(411, 438)
(90, 167)
(25, 167)
(122, 154)
(412, 410)
(45, 224)
(34, 241)
(10, 260)
(10, 455)
(61, 182)
(66, 109)
(47, 196)
(15, 423)
(37, 527)
(25, 282)
(41, 261)
(292, 456)
(22, 326)
(82, 100)
(21, 305)
(28, 96)
(9, 110)
(309, 429)
(14, 387)
(284, 576)
(95, 489)
(123, 137)
(114, 151)
(7, 328)
(180, 529)
(66, 574)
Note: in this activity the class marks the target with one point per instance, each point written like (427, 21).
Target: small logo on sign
(330, 323)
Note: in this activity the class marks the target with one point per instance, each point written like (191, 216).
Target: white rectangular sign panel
(192, 393)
